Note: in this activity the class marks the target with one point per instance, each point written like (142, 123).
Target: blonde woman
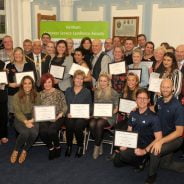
(103, 94)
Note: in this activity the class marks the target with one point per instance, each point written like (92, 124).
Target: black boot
(52, 154)
(68, 151)
(57, 152)
(79, 152)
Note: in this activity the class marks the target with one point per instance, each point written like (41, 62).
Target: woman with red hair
(49, 130)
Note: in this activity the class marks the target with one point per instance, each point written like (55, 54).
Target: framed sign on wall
(125, 27)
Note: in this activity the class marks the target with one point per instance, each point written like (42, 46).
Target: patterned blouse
(56, 98)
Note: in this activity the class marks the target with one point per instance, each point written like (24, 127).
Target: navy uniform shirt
(171, 114)
(145, 125)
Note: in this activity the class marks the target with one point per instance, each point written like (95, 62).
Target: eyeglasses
(141, 98)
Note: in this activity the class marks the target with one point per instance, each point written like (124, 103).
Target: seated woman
(76, 95)
(49, 130)
(171, 71)
(129, 92)
(23, 102)
(144, 122)
(79, 59)
(137, 58)
(118, 81)
(103, 94)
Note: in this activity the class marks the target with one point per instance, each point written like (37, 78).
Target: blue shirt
(145, 125)
(171, 114)
(83, 97)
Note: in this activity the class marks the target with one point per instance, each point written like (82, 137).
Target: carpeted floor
(37, 169)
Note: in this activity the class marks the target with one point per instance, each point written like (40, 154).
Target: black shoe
(112, 156)
(57, 152)
(79, 152)
(52, 154)
(139, 168)
(68, 151)
(151, 179)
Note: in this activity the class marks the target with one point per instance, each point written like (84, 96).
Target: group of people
(158, 118)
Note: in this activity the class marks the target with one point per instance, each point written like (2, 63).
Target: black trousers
(97, 129)
(49, 132)
(128, 157)
(26, 136)
(3, 119)
(75, 126)
(166, 156)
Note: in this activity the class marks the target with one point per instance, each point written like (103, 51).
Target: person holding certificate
(79, 59)
(23, 102)
(19, 64)
(3, 109)
(104, 93)
(62, 58)
(118, 81)
(144, 122)
(49, 129)
(137, 58)
(129, 93)
(76, 95)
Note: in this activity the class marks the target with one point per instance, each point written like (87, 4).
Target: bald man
(171, 116)
(100, 60)
(180, 55)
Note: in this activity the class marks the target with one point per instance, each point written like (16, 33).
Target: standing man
(141, 41)
(129, 46)
(38, 59)
(109, 48)
(45, 39)
(171, 116)
(100, 60)
(6, 54)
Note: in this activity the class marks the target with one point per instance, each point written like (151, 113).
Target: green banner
(75, 30)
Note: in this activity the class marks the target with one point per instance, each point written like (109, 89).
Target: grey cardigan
(66, 82)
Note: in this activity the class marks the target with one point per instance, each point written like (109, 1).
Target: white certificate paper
(126, 106)
(117, 68)
(148, 64)
(126, 139)
(20, 75)
(154, 84)
(75, 67)
(79, 110)
(57, 71)
(138, 72)
(44, 113)
(102, 110)
(3, 78)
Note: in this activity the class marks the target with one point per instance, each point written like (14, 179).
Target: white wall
(167, 25)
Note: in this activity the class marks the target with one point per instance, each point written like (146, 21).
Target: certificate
(3, 78)
(20, 75)
(102, 110)
(44, 113)
(148, 64)
(79, 110)
(154, 84)
(138, 72)
(126, 106)
(57, 71)
(117, 68)
(126, 139)
(76, 67)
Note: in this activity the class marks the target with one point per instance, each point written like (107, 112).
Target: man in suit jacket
(100, 60)
(38, 59)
